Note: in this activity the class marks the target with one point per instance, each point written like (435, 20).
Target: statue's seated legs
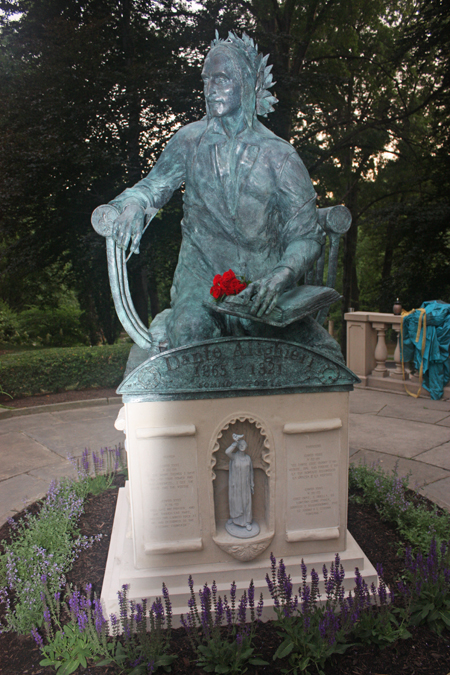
(190, 321)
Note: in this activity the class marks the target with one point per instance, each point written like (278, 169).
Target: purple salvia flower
(85, 460)
(306, 599)
(270, 585)
(37, 638)
(242, 608)
(158, 609)
(233, 594)
(219, 612)
(168, 605)
(47, 616)
(82, 621)
(314, 586)
(259, 609)
(281, 573)
(382, 592)
(304, 571)
(251, 594)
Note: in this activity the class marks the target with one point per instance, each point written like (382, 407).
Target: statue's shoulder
(275, 149)
(190, 133)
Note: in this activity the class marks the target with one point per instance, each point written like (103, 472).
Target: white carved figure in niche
(240, 489)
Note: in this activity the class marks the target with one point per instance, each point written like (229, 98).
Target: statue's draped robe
(248, 202)
(240, 486)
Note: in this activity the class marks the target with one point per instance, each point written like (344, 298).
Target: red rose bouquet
(227, 284)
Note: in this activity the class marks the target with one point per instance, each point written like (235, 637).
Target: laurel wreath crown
(258, 63)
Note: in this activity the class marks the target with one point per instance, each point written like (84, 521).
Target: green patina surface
(234, 367)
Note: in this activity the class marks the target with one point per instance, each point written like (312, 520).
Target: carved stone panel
(169, 489)
(312, 502)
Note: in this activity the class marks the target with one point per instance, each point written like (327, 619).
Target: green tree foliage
(362, 104)
(92, 90)
(87, 106)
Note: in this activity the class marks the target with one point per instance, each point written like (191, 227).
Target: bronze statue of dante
(248, 205)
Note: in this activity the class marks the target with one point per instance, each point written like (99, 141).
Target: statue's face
(221, 85)
(242, 446)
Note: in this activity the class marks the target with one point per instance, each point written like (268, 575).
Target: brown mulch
(60, 397)
(423, 654)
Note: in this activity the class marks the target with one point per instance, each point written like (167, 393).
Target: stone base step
(147, 583)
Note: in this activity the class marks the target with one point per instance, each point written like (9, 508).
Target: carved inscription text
(170, 489)
(238, 366)
(263, 364)
(313, 480)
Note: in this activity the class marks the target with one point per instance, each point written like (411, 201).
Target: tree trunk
(133, 97)
(350, 289)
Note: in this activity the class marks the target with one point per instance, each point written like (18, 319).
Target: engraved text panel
(312, 480)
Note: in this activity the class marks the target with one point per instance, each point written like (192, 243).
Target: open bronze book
(292, 305)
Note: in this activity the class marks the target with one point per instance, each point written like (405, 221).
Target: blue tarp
(436, 364)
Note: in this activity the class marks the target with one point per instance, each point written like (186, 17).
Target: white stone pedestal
(170, 519)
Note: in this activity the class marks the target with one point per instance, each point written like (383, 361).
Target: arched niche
(261, 450)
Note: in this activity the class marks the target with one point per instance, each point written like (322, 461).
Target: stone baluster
(381, 352)
(397, 372)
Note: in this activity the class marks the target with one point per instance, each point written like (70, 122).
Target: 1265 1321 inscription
(217, 367)
(237, 365)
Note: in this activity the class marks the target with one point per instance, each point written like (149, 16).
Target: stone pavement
(386, 428)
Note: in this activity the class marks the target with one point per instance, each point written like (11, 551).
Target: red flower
(216, 292)
(227, 284)
(228, 276)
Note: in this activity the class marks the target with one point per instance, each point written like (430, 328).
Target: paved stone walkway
(384, 428)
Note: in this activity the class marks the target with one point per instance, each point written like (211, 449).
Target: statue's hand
(236, 437)
(264, 293)
(129, 226)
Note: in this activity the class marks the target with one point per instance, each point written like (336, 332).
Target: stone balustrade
(367, 353)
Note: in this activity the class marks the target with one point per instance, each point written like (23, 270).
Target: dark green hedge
(59, 369)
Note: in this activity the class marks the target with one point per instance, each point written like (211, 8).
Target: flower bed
(372, 644)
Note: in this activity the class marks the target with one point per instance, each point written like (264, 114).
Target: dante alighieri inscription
(260, 363)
